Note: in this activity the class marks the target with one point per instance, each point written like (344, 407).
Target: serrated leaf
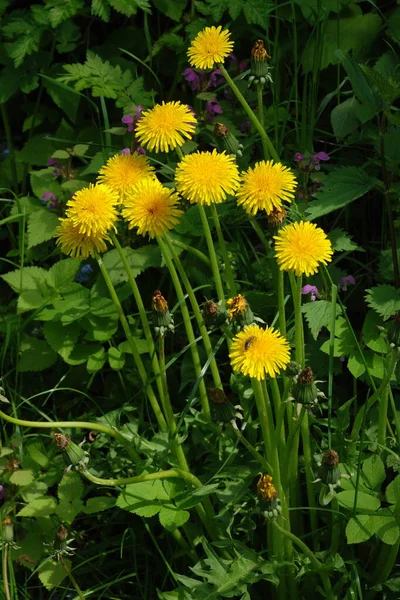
(41, 507)
(173, 10)
(340, 188)
(67, 511)
(101, 9)
(43, 181)
(37, 151)
(344, 118)
(70, 487)
(98, 504)
(393, 491)
(384, 299)
(364, 501)
(42, 226)
(52, 573)
(63, 272)
(373, 471)
(317, 314)
(257, 12)
(36, 489)
(373, 337)
(36, 355)
(172, 517)
(341, 241)
(22, 477)
(139, 260)
(25, 279)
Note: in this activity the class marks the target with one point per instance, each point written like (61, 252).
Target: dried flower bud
(276, 217)
(260, 70)
(62, 533)
(229, 142)
(76, 455)
(305, 391)
(222, 409)
(163, 321)
(268, 497)
(240, 310)
(329, 472)
(220, 130)
(213, 315)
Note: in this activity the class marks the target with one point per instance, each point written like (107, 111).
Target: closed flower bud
(221, 408)
(329, 472)
(213, 315)
(7, 531)
(276, 217)
(260, 70)
(229, 142)
(163, 321)
(76, 455)
(268, 497)
(305, 391)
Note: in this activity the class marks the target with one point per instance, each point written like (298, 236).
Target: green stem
(10, 146)
(197, 253)
(386, 561)
(281, 301)
(298, 318)
(143, 316)
(391, 365)
(396, 417)
(264, 463)
(267, 429)
(197, 313)
(317, 565)
(230, 280)
(382, 419)
(307, 455)
(6, 583)
(260, 108)
(132, 345)
(106, 124)
(260, 233)
(263, 134)
(335, 538)
(72, 579)
(331, 359)
(188, 326)
(279, 413)
(213, 257)
(77, 425)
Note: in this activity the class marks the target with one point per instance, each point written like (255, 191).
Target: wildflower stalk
(263, 134)
(281, 302)
(106, 122)
(6, 583)
(260, 459)
(142, 314)
(296, 285)
(331, 359)
(317, 565)
(382, 419)
(212, 254)
(260, 109)
(197, 253)
(72, 579)
(111, 431)
(135, 353)
(279, 412)
(200, 322)
(188, 326)
(228, 269)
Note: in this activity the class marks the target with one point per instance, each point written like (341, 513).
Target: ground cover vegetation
(200, 306)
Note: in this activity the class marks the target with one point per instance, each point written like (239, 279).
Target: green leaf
(190, 223)
(364, 501)
(116, 359)
(25, 279)
(36, 355)
(36, 489)
(37, 151)
(67, 511)
(81, 353)
(37, 453)
(341, 187)
(358, 80)
(63, 272)
(61, 10)
(388, 530)
(70, 487)
(139, 260)
(100, 329)
(27, 37)
(257, 12)
(66, 99)
(42, 226)
(22, 477)
(142, 498)
(393, 491)
(172, 517)
(360, 528)
(344, 118)
(373, 471)
(43, 181)
(98, 504)
(96, 162)
(173, 10)
(41, 507)
(101, 9)
(52, 573)
(96, 361)
(317, 314)
(384, 299)
(341, 241)
(372, 336)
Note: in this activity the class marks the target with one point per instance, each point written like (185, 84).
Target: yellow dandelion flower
(165, 126)
(301, 247)
(210, 46)
(92, 209)
(259, 352)
(265, 187)
(74, 243)
(151, 208)
(266, 489)
(207, 177)
(122, 171)
(237, 306)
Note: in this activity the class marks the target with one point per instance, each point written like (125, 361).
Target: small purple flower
(50, 200)
(298, 157)
(216, 78)
(140, 150)
(317, 157)
(53, 162)
(125, 151)
(346, 281)
(311, 289)
(138, 112)
(84, 274)
(128, 120)
(213, 108)
(2, 492)
(192, 78)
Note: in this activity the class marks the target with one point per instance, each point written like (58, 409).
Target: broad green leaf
(36, 489)
(173, 10)
(63, 272)
(37, 453)
(190, 223)
(25, 279)
(62, 338)
(373, 337)
(116, 359)
(81, 353)
(344, 118)
(373, 471)
(22, 477)
(341, 187)
(341, 241)
(99, 329)
(360, 528)
(96, 361)
(36, 355)
(41, 507)
(67, 511)
(42, 226)
(384, 299)
(70, 487)
(37, 151)
(66, 99)
(98, 504)
(143, 498)
(52, 573)
(358, 80)
(96, 162)
(30, 300)
(364, 501)
(318, 315)
(44, 181)
(393, 491)
(172, 517)
(388, 530)
(138, 260)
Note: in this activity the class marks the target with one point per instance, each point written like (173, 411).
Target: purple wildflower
(192, 78)
(125, 151)
(129, 121)
(317, 157)
(311, 289)
(140, 150)
(50, 200)
(346, 281)
(216, 78)
(298, 157)
(53, 162)
(132, 118)
(2, 492)
(213, 108)
(84, 273)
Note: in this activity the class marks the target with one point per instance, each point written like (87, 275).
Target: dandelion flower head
(259, 352)
(92, 209)
(265, 187)
(165, 126)
(124, 170)
(76, 244)
(151, 207)
(207, 177)
(238, 306)
(301, 247)
(210, 46)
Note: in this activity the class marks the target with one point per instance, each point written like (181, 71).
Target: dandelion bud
(268, 497)
(305, 391)
(276, 217)
(213, 315)
(393, 334)
(163, 321)
(239, 310)
(260, 70)
(293, 369)
(7, 530)
(329, 472)
(229, 141)
(76, 455)
(62, 533)
(221, 407)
